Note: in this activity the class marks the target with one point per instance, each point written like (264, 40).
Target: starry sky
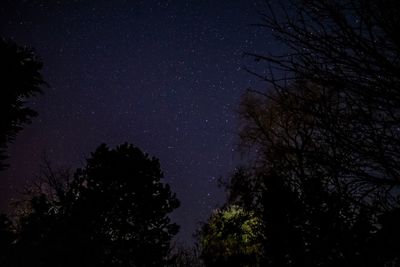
(166, 76)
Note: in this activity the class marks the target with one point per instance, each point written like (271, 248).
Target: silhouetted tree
(21, 79)
(344, 56)
(41, 239)
(113, 213)
(307, 224)
(326, 136)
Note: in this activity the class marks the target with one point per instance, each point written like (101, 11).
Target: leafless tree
(332, 108)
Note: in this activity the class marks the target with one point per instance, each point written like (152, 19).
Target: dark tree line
(324, 139)
(321, 187)
(113, 212)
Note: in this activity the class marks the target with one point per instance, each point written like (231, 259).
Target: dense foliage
(114, 212)
(231, 238)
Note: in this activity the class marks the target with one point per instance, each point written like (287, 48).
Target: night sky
(166, 76)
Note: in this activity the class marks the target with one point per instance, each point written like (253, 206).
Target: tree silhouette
(325, 136)
(310, 217)
(113, 213)
(21, 79)
(300, 223)
(344, 55)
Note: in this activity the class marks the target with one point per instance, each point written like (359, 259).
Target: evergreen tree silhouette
(20, 80)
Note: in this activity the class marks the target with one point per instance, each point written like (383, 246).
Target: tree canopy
(323, 172)
(21, 79)
(339, 83)
(114, 212)
(231, 237)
